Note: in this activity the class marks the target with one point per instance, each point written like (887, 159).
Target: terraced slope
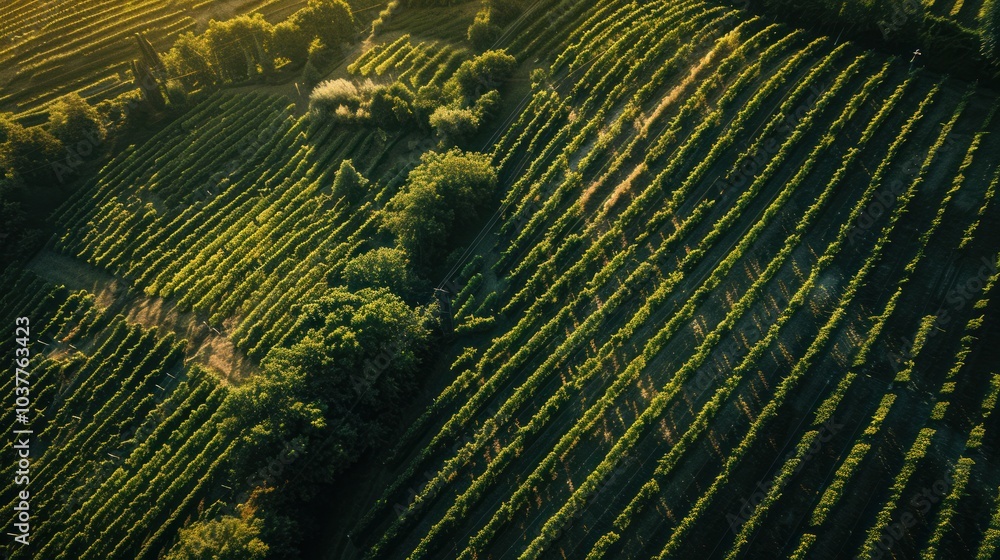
(134, 438)
(737, 301)
(716, 234)
(85, 45)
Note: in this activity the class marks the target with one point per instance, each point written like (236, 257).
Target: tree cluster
(902, 26)
(444, 196)
(456, 111)
(387, 106)
(247, 46)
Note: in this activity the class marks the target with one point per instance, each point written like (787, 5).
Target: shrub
(349, 183)
(488, 106)
(28, 153)
(331, 94)
(477, 76)
(226, 538)
(176, 94)
(239, 45)
(391, 107)
(331, 21)
(380, 268)
(454, 125)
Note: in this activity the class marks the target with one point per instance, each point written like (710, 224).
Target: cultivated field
(736, 299)
(52, 48)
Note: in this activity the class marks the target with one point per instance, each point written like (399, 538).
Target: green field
(732, 297)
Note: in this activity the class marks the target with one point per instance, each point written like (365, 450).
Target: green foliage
(349, 183)
(388, 107)
(479, 75)
(335, 97)
(240, 47)
(290, 41)
(73, 120)
(247, 46)
(225, 538)
(357, 356)
(383, 17)
(482, 33)
(381, 268)
(28, 154)
(391, 107)
(447, 191)
(330, 21)
(454, 125)
(191, 61)
(487, 107)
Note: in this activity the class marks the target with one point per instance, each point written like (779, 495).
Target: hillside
(695, 282)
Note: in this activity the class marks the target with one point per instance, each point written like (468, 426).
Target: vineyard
(128, 423)
(965, 13)
(53, 48)
(719, 338)
(734, 298)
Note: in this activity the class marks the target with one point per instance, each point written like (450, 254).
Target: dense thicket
(445, 194)
(247, 46)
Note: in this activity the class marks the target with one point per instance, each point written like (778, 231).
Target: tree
(290, 41)
(189, 61)
(989, 29)
(479, 75)
(72, 120)
(483, 34)
(238, 46)
(225, 538)
(29, 153)
(391, 107)
(454, 125)
(329, 20)
(488, 106)
(381, 268)
(149, 55)
(356, 356)
(349, 183)
(445, 192)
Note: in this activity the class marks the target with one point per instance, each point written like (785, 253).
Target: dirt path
(207, 346)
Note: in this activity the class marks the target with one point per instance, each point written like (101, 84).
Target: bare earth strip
(207, 346)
